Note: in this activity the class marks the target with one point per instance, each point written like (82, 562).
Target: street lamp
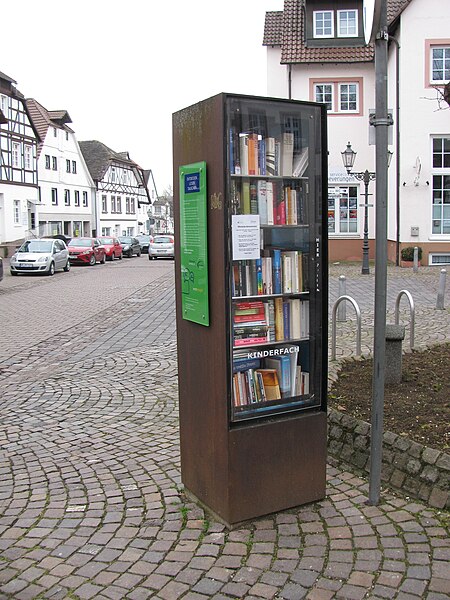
(348, 158)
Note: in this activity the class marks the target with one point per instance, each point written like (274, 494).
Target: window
(67, 197)
(54, 163)
(28, 157)
(441, 153)
(113, 174)
(3, 104)
(348, 97)
(130, 231)
(323, 92)
(67, 166)
(85, 199)
(77, 198)
(106, 231)
(347, 23)
(323, 24)
(113, 204)
(119, 204)
(340, 96)
(47, 161)
(67, 135)
(441, 186)
(132, 205)
(74, 166)
(104, 205)
(15, 154)
(440, 64)
(343, 209)
(16, 209)
(54, 197)
(55, 132)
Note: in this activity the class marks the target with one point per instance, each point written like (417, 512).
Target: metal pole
(381, 123)
(441, 291)
(365, 265)
(342, 310)
(416, 260)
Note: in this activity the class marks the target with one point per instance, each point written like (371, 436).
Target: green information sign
(194, 243)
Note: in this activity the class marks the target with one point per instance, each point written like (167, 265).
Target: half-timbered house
(67, 191)
(120, 188)
(19, 198)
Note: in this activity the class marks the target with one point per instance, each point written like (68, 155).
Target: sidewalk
(91, 502)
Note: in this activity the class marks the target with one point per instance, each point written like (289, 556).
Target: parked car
(112, 246)
(42, 255)
(86, 251)
(130, 246)
(161, 247)
(1, 268)
(144, 241)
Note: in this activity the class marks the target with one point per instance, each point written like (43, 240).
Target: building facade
(67, 192)
(120, 189)
(316, 51)
(19, 198)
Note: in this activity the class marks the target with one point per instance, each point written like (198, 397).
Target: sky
(121, 69)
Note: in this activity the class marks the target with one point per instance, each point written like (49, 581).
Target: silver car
(40, 256)
(162, 246)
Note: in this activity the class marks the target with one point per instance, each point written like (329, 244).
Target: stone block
(395, 334)
(430, 455)
(389, 438)
(413, 466)
(429, 474)
(439, 498)
(397, 479)
(362, 428)
(443, 462)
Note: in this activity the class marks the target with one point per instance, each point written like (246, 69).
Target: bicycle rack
(358, 325)
(411, 314)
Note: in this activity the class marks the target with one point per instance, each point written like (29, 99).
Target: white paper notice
(246, 237)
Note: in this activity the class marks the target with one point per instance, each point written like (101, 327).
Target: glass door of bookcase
(274, 152)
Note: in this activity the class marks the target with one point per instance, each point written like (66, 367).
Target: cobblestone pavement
(91, 502)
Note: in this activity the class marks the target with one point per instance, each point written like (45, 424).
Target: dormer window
(323, 24)
(347, 21)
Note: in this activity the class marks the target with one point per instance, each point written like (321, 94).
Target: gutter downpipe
(397, 157)
(289, 81)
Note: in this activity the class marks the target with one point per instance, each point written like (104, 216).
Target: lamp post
(348, 158)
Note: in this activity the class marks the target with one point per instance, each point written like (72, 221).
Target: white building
(18, 166)
(67, 192)
(316, 51)
(120, 189)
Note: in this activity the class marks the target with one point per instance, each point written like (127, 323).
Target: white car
(40, 256)
(162, 246)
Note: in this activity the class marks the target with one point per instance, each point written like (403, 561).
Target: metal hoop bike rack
(358, 325)
(411, 314)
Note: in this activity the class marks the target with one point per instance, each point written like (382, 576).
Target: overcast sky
(122, 68)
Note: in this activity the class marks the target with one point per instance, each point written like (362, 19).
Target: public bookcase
(250, 192)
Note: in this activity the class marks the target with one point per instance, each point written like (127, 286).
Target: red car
(112, 246)
(86, 251)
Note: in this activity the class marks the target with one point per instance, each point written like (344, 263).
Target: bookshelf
(253, 382)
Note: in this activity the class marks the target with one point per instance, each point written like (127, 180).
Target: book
(271, 384)
(250, 341)
(267, 275)
(287, 149)
(300, 163)
(259, 276)
(282, 365)
(276, 271)
(246, 198)
(286, 320)
(253, 198)
(262, 201)
(286, 262)
(295, 317)
(243, 153)
(270, 156)
(269, 202)
(244, 363)
(252, 146)
(279, 320)
(262, 156)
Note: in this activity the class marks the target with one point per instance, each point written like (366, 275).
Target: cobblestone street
(91, 501)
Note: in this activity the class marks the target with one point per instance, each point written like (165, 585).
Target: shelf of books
(274, 232)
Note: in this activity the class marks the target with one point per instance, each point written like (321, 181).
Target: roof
(286, 29)
(43, 119)
(98, 158)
